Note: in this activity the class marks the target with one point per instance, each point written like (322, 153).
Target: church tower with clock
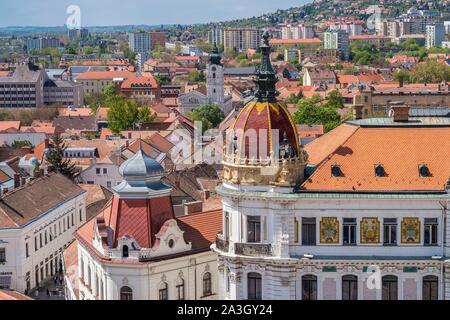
(215, 78)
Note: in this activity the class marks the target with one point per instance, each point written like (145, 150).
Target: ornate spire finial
(265, 77)
(215, 57)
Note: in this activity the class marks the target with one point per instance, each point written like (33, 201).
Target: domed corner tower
(263, 147)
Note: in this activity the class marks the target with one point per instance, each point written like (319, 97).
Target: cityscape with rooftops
(298, 154)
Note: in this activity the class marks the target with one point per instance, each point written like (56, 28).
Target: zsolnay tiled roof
(400, 149)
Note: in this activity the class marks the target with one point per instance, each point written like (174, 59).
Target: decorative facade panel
(329, 230)
(411, 230)
(370, 230)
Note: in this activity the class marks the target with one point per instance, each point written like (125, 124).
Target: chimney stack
(400, 111)
(16, 180)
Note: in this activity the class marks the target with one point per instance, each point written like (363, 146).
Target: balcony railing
(221, 243)
(253, 249)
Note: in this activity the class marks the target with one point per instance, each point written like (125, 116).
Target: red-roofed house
(96, 81)
(138, 231)
(144, 89)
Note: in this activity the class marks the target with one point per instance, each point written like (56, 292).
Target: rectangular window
(35, 243)
(390, 231)
(254, 229)
(431, 232)
(81, 215)
(27, 252)
(97, 171)
(40, 240)
(296, 233)
(2, 255)
(105, 170)
(226, 226)
(309, 231)
(349, 231)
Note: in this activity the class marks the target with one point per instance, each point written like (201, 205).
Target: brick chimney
(400, 111)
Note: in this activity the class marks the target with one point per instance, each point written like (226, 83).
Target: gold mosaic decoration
(370, 230)
(410, 230)
(329, 230)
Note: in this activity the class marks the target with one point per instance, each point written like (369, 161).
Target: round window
(171, 243)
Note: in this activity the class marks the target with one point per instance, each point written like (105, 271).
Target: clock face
(213, 69)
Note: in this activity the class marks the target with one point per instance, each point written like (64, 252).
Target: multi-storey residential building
(378, 41)
(139, 41)
(435, 35)
(30, 87)
(38, 221)
(338, 40)
(215, 36)
(241, 39)
(74, 34)
(95, 81)
(375, 101)
(297, 32)
(347, 217)
(157, 38)
(41, 43)
(136, 249)
(353, 29)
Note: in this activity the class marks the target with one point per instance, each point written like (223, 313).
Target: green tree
(309, 112)
(335, 99)
(124, 113)
(402, 76)
(430, 71)
(210, 115)
(55, 156)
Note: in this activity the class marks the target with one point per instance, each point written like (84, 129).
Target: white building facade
(136, 249)
(359, 214)
(32, 240)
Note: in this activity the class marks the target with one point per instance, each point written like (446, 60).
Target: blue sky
(121, 12)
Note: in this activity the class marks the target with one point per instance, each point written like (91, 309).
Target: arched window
(126, 293)
(180, 289)
(163, 291)
(254, 286)
(390, 288)
(125, 252)
(309, 287)
(349, 287)
(430, 286)
(207, 286)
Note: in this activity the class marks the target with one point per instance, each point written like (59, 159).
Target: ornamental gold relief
(410, 230)
(329, 230)
(370, 230)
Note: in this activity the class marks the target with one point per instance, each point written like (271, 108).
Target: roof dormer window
(424, 171)
(379, 171)
(336, 170)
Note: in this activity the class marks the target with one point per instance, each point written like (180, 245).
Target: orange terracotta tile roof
(201, 228)
(105, 133)
(105, 75)
(347, 78)
(9, 125)
(130, 82)
(102, 113)
(161, 143)
(75, 112)
(401, 150)
(319, 149)
(187, 58)
(12, 295)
